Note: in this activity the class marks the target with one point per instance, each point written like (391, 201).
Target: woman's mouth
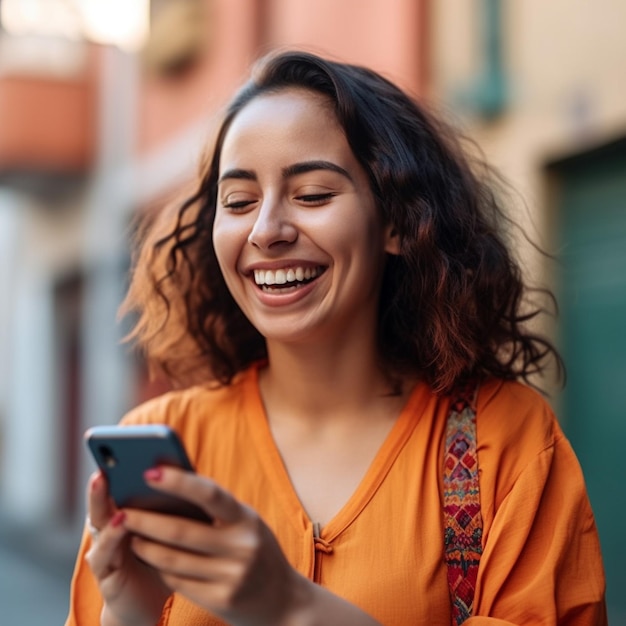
(287, 279)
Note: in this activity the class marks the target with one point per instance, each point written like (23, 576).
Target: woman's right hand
(133, 592)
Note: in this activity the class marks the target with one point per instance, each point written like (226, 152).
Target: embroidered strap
(461, 503)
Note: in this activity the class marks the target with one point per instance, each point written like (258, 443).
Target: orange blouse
(541, 563)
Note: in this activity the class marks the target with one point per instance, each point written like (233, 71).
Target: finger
(176, 563)
(100, 508)
(105, 555)
(203, 492)
(219, 596)
(192, 536)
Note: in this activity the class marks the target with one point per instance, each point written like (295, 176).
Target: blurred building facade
(89, 135)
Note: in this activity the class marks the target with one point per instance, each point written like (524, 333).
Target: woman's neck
(318, 383)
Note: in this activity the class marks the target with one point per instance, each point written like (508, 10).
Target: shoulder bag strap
(461, 503)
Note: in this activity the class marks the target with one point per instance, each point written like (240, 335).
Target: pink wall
(387, 35)
(169, 104)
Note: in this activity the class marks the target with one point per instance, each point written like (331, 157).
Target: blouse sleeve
(541, 562)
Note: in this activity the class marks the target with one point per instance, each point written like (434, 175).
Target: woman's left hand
(233, 568)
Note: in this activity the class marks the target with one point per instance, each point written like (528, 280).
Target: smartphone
(124, 453)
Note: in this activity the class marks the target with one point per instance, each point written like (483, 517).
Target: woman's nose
(272, 226)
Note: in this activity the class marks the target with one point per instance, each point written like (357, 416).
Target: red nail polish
(154, 474)
(118, 518)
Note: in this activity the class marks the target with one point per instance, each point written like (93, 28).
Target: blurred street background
(105, 107)
(35, 571)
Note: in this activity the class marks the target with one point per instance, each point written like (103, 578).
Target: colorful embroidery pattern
(461, 503)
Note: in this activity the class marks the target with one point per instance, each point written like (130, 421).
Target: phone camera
(107, 456)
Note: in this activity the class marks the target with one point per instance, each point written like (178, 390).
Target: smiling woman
(302, 207)
(349, 330)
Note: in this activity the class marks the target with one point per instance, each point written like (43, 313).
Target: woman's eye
(237, 205)
(315, 198)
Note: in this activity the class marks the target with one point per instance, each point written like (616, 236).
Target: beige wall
(566, 67)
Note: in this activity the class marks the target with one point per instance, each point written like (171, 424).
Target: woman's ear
(392, 240)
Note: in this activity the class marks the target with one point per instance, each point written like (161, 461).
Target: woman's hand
(233, 568)
(133, 592)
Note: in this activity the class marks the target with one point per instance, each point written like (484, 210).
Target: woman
(339, 287)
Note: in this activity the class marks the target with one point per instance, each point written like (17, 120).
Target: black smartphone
(124, 453)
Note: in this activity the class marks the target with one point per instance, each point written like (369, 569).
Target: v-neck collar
(275, 469)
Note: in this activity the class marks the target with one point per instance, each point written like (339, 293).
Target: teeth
(283, 276)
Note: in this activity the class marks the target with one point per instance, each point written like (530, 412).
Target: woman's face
(297, 234)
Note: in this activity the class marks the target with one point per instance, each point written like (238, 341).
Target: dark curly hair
(453, 303)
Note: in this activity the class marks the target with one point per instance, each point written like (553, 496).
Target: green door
(592, 294)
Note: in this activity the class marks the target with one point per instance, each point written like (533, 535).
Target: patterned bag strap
(461, 503)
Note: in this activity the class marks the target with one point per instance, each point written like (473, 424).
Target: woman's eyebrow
(311, 166)
(237, 174)
(287, 172)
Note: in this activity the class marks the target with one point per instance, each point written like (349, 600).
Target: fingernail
(95, 483)
(154, 474)
(118, 518)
